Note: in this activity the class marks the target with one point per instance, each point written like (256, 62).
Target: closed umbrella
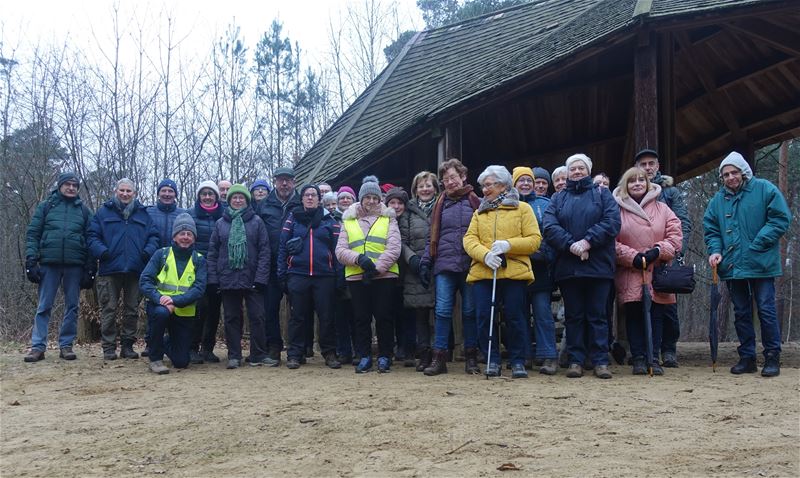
(713, 325)
(647, 303)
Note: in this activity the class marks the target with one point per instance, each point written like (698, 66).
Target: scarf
(438, 207)
(126, 210)
(237, 241)
(427, 206)
(308, 217)
(209, 210)
(493, 204)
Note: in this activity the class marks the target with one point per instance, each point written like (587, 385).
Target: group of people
(383, 255)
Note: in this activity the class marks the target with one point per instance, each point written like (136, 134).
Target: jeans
(272, 305)
(306, 295)
(373, 300)
(512, 293)
(544, 325)
(585, 315)
(204, 329)
(743, 292)
(232, 303)
(672, 329)
(447, 283)
(109, 289)
(68, 278)
(635, 328)
(180, 335)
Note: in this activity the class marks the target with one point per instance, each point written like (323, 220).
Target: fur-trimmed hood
(355, 211)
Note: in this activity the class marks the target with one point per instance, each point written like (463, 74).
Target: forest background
(239, 111)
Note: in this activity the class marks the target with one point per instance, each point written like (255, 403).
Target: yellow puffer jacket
(514, 222)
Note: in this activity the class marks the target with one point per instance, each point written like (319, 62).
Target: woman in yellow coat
(501, 237)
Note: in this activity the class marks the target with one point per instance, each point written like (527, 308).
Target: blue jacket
(129, 244)
(583, 210)
(317, 257)
(542, 260)
(204, 222)
(746, 228)
(274, 213)
(148, 281)
(163, 216)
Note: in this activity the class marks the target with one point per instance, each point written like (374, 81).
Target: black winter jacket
(274, 213)
(204, 222)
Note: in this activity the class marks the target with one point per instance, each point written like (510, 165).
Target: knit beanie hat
(167, 183)
(67, 176)
(520, 171)
(239, 189)
(541, 173)
(644, 152)
(737, 160)
(347, 191)
(580, 157)
(259, 183)
(210, 185)
(184, 222)
(385, 187)
(304, 187)
(396, 193)
(369, 186)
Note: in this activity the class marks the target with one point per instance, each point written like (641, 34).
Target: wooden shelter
(535, 83)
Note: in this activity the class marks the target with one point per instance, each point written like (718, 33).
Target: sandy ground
(95, 418)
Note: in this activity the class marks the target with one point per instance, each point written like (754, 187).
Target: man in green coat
(56, 255)
(743, 225)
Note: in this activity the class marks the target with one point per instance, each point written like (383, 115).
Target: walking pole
(491, 323)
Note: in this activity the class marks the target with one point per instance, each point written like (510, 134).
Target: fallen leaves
(508, 467)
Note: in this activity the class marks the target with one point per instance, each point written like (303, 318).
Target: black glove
(294, 246)
(366, 263)
(413, 263)
(651, 255)
(87, 279)
(32, 270)
(425, 275)
(260, 287)
(105, 256)
(637, 261)
(212, 289)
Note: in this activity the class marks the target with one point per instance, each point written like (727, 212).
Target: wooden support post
(667, 143)
(645, 92)
(452, 140)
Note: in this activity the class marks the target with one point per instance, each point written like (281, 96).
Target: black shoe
(292, 363)
(639, 366)
(344, 359)
(195, 357)
(209, 357)
(128, 353)
(146, 351)
(745, 365)
(657, 370)
(618, 353)
(66, 353)
(772, 366)
(332, 362)
(110, 354)
(670, 360)
(34, 355)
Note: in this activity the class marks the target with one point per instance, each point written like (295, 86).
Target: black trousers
(204, 330)
(373, 299)
(307, 295)
(254, 301)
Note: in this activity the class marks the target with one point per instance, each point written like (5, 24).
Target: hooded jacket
(644, 225)
(582, 210)
(128, 243)
(511, 221)
(256, 269)
(61, 236)
(163, 216)
(415, 231)
(317, 258)
(391, 253)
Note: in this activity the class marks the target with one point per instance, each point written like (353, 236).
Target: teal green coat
(60, 238)
(746, 228)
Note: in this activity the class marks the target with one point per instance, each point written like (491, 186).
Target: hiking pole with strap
(491, 322)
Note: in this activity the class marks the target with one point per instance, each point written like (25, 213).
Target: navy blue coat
(148, 284)
(130, 243)
(542, 260)
(583, 210)
(274, 213)
(163, 216)
(256, 269)
(318, 255)
(204, 222)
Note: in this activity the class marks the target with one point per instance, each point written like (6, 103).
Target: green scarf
(237, 241)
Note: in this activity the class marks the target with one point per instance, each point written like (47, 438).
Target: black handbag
(673, 278)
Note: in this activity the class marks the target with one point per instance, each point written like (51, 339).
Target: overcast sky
(85, 22)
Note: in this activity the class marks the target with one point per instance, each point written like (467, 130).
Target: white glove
(584, 245)
(492, 260)
(575, 249)
(585, 255)
(501, 247)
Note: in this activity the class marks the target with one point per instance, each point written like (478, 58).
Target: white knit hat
(580, 157)
(207, 184)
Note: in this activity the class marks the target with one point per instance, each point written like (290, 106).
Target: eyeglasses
(71, 184)
(525, 180)
(451, 179)
(486, 185)
(310, 195)
(207, 193)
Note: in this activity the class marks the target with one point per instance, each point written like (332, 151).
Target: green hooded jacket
(60, 236)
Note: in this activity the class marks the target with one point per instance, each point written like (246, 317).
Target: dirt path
(90, 418)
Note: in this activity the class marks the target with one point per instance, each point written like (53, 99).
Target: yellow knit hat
(520, 171)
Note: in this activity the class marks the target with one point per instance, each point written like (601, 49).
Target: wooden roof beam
(769, 33)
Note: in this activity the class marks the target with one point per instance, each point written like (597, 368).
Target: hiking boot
(195, 357)
(275, 354)
(364, 365)
(670, 360)
(602, 371)
(66, 353)
(549, 367)
(292, 363)
(518, 371)
(233, 363)
(110, 354)
(332, 362)
(34, 355)
(745, 365)
(126, 351)
(438, 363)
(574, 371)
(493, 370)
(271, 362)
(425, 357)
(343, 359)
(618, 353)
(772, 366)
(208, 356)
(146, 351)
(471, 361)
(657, 370)
(159, 367)
(639, 366)
(384, 365)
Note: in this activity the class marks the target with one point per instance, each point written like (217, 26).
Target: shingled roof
(444, 68)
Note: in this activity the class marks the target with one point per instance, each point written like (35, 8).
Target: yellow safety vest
(168, 282)
(371, 246)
